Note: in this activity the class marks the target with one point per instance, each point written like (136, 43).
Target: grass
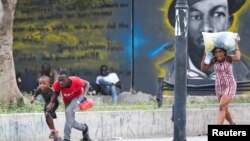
(15, 108)
(191, 103)
(126, 106)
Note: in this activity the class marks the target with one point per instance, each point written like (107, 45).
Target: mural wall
(154, 39)
(73, 34)
(135, 38)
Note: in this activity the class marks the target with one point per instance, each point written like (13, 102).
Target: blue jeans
(110, 89)
(70, 119)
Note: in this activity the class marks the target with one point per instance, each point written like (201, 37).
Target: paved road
(196, 138)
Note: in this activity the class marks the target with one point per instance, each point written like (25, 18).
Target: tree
(9, 91)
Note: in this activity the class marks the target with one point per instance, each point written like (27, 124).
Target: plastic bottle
(80, 99)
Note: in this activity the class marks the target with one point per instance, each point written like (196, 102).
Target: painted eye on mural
(219, 14)
(79, 34)
(195, 16)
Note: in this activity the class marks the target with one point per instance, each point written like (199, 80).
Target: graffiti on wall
(13, 128)
(206, 15)
(103, 125)
(79, 36)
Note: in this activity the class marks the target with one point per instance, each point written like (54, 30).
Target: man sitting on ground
(108, 83)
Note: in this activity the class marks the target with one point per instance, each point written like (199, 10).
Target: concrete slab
(194, 138)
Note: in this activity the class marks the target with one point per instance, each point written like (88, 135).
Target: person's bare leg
(49, 121)
(229, 117)
(224, 101)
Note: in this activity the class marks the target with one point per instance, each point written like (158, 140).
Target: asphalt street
(195, 138)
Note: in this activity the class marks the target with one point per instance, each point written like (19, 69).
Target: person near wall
(72, 89)
(108, 83)
(206, 16)
(19, 79)
(46, 92)
(51, 73)
(225, 84)
(46, 71)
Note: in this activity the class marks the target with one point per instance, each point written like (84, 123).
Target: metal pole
(180, 84)
(159, 96)
(133, 47)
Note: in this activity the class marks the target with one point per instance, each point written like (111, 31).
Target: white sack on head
(224, 40)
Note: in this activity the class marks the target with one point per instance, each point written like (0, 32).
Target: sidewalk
(195, 138)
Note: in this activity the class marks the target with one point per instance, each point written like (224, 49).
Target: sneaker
(92, 92)
(66, 140)
(53, 135)
(85, 134)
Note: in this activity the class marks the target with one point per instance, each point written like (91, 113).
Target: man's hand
(49, 106)
(81, 99)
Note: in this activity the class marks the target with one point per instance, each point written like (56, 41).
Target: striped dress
(225, 83)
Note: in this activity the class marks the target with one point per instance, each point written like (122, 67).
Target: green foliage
(15, 108)
(24, 108)
(126, 106)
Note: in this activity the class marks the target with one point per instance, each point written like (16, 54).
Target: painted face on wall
(207, 16)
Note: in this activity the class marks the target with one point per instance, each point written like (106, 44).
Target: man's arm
(54, 97)
(86, 87)
(52, 101)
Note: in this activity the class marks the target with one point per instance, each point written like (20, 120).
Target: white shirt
(111, 77)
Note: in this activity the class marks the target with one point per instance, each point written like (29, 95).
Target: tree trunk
(9, 91)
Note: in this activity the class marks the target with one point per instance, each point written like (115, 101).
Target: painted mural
(134, 37)
(155, 39)
(76, 35)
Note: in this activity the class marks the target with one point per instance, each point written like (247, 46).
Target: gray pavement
(195, 138)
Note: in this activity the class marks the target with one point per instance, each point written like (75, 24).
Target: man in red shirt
(71, 88)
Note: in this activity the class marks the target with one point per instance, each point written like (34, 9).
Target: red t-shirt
(74, 91)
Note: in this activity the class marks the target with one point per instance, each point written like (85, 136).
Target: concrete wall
(81, 35)
(108, 125)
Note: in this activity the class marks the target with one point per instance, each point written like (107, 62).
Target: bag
(86, 104)
(224, 40)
